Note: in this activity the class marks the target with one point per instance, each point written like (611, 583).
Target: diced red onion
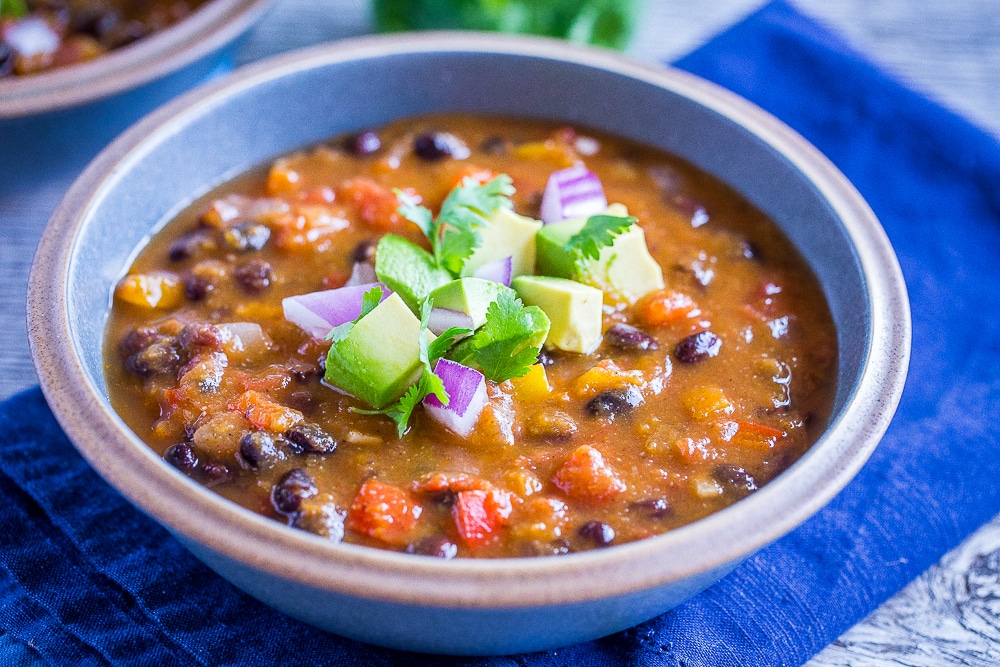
(466, 389)
(318, 312)
(442, 319)
(499, 271)
(31, 36)
(572, 193)
(363, 273)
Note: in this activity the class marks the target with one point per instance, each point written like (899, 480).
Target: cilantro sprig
(429, 382)
(508, 344)
(454, 234)
(598, 232)
(13, 8)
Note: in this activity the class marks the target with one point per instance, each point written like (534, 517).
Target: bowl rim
(210, 27)
(222, 527)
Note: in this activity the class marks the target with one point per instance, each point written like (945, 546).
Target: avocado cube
(468, 295)
(380, 357)
(508, 235)
(574, 310)
(625, 270)
(408, 270)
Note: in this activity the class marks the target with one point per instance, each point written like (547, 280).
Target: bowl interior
(269, 115)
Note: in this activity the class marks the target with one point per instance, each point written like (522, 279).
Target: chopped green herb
(369, 301)
(454, 235)
(598, 232)
(508, 344)
(13, 8)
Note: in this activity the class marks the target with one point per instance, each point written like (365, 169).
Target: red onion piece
(442, 319)
(363, 273)
(318, 312)
(499, 271)
(31, 36)
(466, 389)
(572, 193)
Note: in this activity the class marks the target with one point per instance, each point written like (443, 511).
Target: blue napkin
(86, 579)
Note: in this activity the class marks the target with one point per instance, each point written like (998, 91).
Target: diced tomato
(667, 307)
(376, 205)
(335, 279)
(384, 512)
(478, 174)
(587, 477)
(272, 381)
(757, 436)
(265, 413)
(479, 515)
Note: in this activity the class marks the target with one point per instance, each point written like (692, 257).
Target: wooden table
(948, 50)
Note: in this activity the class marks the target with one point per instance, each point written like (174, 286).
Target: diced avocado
(468, 295)
(625, 271)
(408, 270)
(380, 356)
(508, 235)
(573, 308)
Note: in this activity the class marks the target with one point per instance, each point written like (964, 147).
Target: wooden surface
(948, 50)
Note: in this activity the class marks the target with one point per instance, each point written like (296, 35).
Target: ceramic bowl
(203, 34)
(460, 606)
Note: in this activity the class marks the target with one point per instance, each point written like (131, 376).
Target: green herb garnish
(598, 232)
(13, 8)
(507, 345)
(454, 234)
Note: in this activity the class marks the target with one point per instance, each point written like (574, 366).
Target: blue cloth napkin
(87, 580)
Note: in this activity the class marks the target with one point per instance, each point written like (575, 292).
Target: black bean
(656, 508)
(433, 545)
(598, 532)
(294, 486)
(326, 521)
(749, 250)
(196, 288)
(303, 401)
(216, 473)
(362, 143)
(628, 337)
(306, 438)
(365, 251)
(494, 146)
(698, 347)
(160, 356)
(734, 479)
(94, 22)
(137, 339)
(254, 276)
(246, 236)
(547, 357)
(437, 145)
(614, 402)
(6, 59)
(124, 33)
(303, 372)
(199, 336)
(257, 448)
(181, 456)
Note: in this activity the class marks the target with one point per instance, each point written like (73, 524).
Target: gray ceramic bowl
(463, 606)
(203, 34)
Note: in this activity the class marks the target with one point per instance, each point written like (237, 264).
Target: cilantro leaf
(369, 301)
(508, 343)
(598, 232)
(441, 345)
(454, 235)
(13, 8)
(401, 411)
